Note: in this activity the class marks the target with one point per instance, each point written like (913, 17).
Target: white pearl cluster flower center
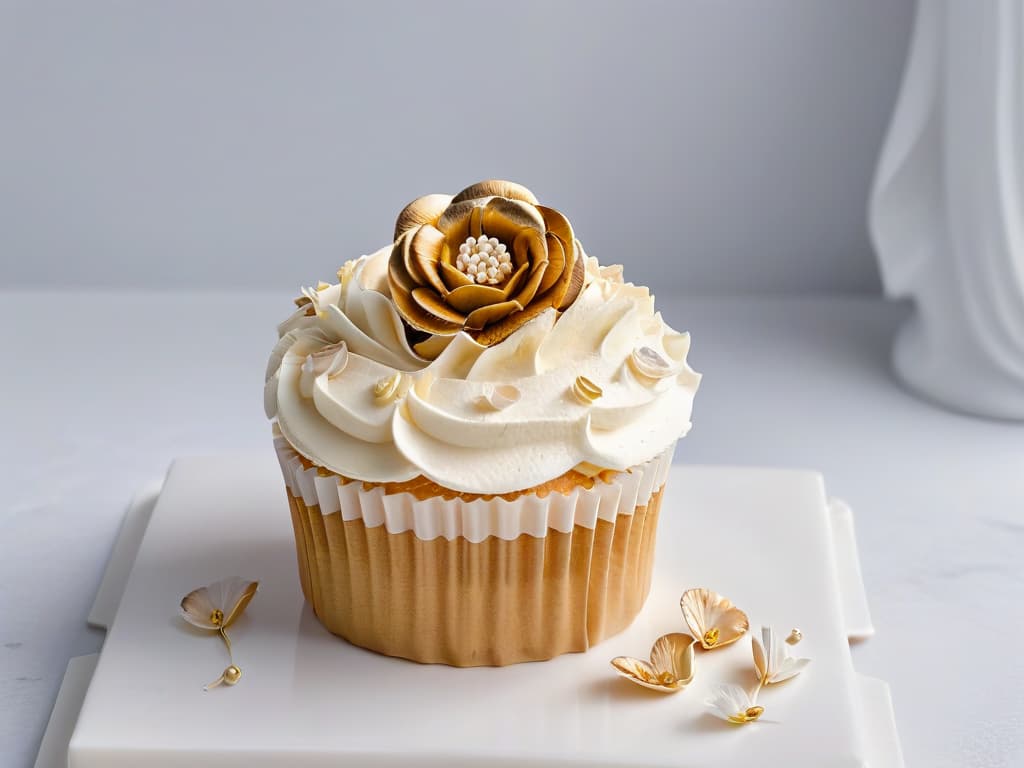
(484, 260)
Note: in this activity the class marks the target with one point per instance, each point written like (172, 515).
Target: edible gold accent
(650, 365)
(670, 668)
(498, 397)
(585, 390)
(229, 676)
(795, 636)
(389, 388)
(712, 618)
(749, 715)
(485, 261)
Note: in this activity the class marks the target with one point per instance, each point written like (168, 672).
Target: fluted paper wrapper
(481, 582)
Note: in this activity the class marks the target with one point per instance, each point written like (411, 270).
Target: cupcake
(475, 425)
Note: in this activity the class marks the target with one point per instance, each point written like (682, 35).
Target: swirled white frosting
(351, 395)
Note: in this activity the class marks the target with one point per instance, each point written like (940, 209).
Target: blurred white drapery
(947, 208)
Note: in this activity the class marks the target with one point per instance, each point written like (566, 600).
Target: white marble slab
(307, 698)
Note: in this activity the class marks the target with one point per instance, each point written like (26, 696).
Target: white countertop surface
(102, 390)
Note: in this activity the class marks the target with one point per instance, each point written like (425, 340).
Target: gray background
(710, 146)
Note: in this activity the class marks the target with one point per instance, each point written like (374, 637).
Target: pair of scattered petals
(670, 668)
(713, 619)
(733, 704)
(772, 660)
(218, 605)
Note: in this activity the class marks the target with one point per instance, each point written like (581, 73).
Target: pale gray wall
(709, 145)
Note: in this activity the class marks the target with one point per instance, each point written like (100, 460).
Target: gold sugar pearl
(711, 637)
(795, 636)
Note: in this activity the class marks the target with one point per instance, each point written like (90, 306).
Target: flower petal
(452, 277)
(760, 662)
(422, 210)
(454, 222)
(237, 595)
(505, 219)
(425, 249)
(712, 618)
(466, 298)
(197, 608)
(574, 284)
(217, 605)
(556, 263)
(790, 668)
(484, 316)
(502, 329)
(430, 302)
(416, 316)
(496, 187)
(673, 653)
(642, 673)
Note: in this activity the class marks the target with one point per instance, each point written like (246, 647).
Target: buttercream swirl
(478, 419)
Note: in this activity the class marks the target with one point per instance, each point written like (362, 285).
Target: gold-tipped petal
(504, 219)
(452, 277)
(426, 247)
(435, 306)
(476, 221)
(216, 606)
(712, 618)
(502, 329)
(514, 282)
(399, 263)
(467, 298)
(248, 591)
(538, 267)
(497, 187)
(556, 263)
(484, 316)
(454, 222)
(574, 284)
(422, 210)
(674, 653)
(556, 223)
(419, 318)
(642, 673)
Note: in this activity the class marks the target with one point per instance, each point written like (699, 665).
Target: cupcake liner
(482, 582)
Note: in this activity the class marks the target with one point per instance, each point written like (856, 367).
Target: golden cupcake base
(463, 603)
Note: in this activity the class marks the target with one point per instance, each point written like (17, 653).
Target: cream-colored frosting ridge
(602, 385)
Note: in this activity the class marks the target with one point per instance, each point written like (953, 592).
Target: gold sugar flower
(712, 618)
(733, 704)
(772, 660)
(670, 668)
(484, 261)
(216, 607)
